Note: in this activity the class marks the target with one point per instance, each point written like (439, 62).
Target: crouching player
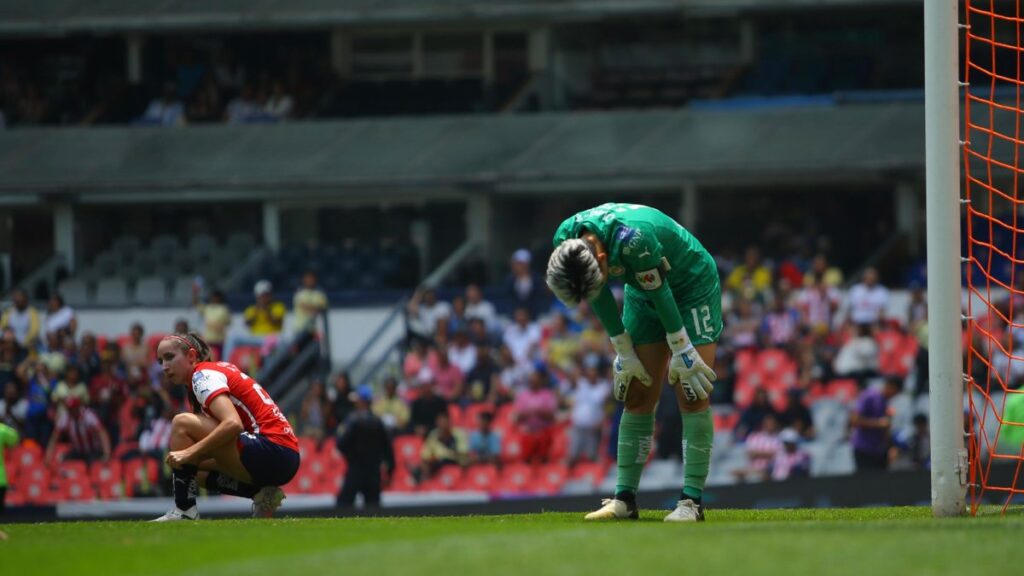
(240, 444)
(671, 322)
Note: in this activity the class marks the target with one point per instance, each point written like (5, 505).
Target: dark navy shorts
(269, 464)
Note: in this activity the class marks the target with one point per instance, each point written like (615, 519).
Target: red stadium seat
(402, 481)
(483, 477)
(39, 493)
(516, 478)
(35, 473)
(15, 496)
(843, 389)
(449, 477)
(316, 464)
(511, 448)
(110, 489)
(139, 475)
(75, 490)
(551, 477)
(407, 450)
(73, 470)
(455, 415)
(504, 419)
(27, 455)
(307, 447)
(593, 472)
(103, 472)
(473, 411)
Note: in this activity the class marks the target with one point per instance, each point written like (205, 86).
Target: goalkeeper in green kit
(671, 321)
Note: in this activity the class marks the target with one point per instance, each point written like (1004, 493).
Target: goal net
(993, 237)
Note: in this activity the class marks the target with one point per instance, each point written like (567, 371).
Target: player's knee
(184, 422)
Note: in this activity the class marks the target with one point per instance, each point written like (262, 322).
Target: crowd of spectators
(517, 380)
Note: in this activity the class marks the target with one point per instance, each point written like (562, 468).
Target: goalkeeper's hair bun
(574, 274)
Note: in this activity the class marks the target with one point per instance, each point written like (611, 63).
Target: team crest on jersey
(649, 279)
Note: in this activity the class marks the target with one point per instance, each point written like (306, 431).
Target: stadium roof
(632, 150)
(18, 17)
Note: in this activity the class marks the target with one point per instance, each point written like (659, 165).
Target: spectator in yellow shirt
(266, 316)
(216, 320)
(751, 276)
(309, 302)
(391, 409)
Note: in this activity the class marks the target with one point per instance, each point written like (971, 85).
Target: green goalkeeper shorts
(702, 317)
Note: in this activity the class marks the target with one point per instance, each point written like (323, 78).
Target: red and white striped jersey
(83, 432)
(258, 412)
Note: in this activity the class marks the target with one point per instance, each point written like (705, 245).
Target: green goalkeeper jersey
(651, 253)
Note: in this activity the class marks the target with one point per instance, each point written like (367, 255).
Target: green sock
(698, 436)
(636, 434)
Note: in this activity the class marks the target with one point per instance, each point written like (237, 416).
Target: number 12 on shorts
(701, 319)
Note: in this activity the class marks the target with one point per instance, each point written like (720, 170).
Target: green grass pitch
(860, 542)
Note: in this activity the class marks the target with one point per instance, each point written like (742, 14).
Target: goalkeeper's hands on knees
(688, 369)
(627, 366)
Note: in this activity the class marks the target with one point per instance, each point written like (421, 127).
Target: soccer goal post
(942, 159)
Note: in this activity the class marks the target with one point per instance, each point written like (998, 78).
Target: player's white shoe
(686, 511)
(266, 501)
(612, 509)
(176, 514)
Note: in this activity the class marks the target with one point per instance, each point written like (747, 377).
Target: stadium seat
(473, 411)
(515, 478)
(202, 247)
(39, 493)
(593, 472)
(449, 477)
(126, 247)
(73, 470)
(402, 481)
(34, 473)
(307, 448)
(16, 496)
(27, 454)
(139, 475)
(150, 290)
(181, 290)
(240, 244)
(455, 415)
(844, 389)
(551, 477)
(511, 448)
(104, 472)
(164, 244)
(482, 477)
(75, 291)
(407, 450)
(110, 490)
(112, 291)
(74, 490)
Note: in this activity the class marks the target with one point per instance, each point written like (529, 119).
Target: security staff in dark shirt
(367, 448)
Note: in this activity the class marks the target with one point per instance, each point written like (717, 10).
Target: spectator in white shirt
(867, 301)
(425, 311)
(166, 110)
(244, 108)
(59, 316)
(477, 307)
(522, 337)
(462, 352)
(588, 399)
(280, 104)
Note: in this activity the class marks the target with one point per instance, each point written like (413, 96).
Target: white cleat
(686, 511)
(612, 509)
(267, 501)
(177, 514)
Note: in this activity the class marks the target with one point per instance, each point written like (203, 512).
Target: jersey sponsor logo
(633, 243)
(649, 279)
(625, 233)
(200, 383)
